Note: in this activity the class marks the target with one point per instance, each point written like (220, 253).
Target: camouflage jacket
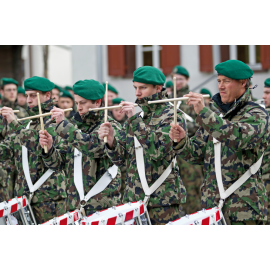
(8, 171)
(266, 166)
(189, 110)
(152, 131)
(11, 148)
(244, 134)
(95, 162)
(6, 103)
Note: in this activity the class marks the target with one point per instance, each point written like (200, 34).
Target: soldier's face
(83, 105)
(32, 100)
(266, 96)
(111, 96)
(21, 99)
(10, 92)
(65, 103)
(143, 90)
(55, 95)
(181, 81)
(117, 114)
(230, 89)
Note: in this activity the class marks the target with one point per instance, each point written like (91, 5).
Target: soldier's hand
(8, 114)
(177, 133)
(128, 108)
(58, 114)
(45, 139)
(106, 129)
(196, 100)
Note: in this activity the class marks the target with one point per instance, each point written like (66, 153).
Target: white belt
(141, 169)
(26, 171)
(189, 118)
(251, 171)
(101, 184)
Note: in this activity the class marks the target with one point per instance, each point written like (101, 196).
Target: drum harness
(41, 180)
(100, 185)
(141, 170)
(251, 171)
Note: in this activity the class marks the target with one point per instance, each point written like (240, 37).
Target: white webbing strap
(26, 170)
(101, 184)
(238, 183)
(189, 118)
(141, 169)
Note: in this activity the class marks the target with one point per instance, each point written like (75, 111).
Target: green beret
(149, 75)
(38, 83)
(68, 88)
(267, 83)
(117, 100)
(111, 88)
(205, 91)
(181, 71)
(65, 93)
(5, 81)
(0, 96)
(89, 89)
(169, 84)
(21, 90)
(234, 69)
(58, 88)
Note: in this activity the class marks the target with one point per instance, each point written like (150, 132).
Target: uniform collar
(88, 119)
(45, 107)
(148, 108)
(7, 103)
(183, 91)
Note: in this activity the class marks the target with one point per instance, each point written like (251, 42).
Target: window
(249, 54)
(148, 55)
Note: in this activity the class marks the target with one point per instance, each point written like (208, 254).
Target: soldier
(117, 114)
(70, 90)
(266, 158)
(192, 175)
(21, 98)
(81, 136)
(169, 88)
(9, 93)
(112, 93)
(208, 101)
(230, 146)
(48, 200)
(56, 94)
(66, 101)
(0, 99)
(148, 134)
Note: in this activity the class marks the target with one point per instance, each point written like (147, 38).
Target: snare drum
(70, 218)
(16, 211)
(212, 216)
(134, 213)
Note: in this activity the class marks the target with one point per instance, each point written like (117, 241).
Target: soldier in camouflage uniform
(82, 134)
(8, 171)
(151, 130)
(243, 131)
(66, 101)
(121, 118)
(9, 93)
(266, 158)
(21, 98)
(49, 200)
(192, 175)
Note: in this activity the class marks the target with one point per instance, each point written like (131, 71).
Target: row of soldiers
(243, 131)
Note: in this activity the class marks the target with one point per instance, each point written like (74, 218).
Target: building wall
(59, 63)
(86, 64)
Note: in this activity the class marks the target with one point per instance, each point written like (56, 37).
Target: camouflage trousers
(192, 176)
(267, 186)
(162, 215)
(7, 180)
(47, 210)
(249, 222)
